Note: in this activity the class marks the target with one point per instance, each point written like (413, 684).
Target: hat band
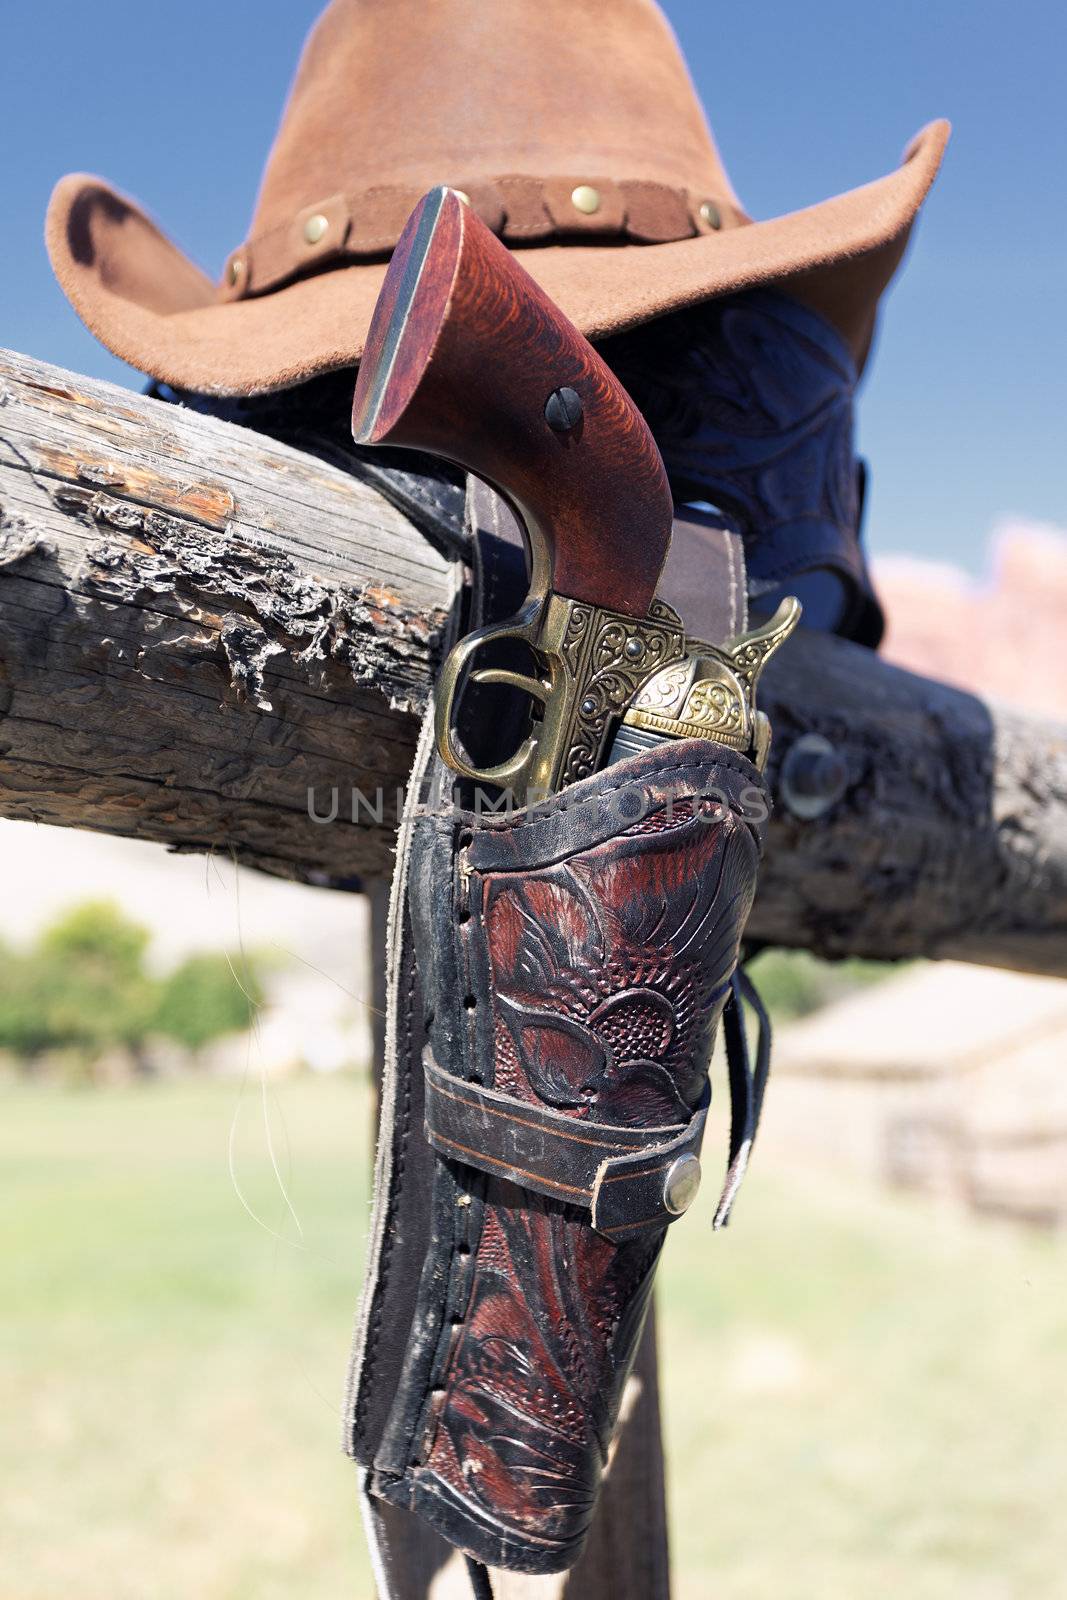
(522, 210)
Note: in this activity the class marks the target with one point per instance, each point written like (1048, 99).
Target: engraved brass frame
(600, 668)
(595, 662)
(712, 693)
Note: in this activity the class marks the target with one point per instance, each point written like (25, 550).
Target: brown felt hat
(572, 127)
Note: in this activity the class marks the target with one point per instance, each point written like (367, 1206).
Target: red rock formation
(1003, 636)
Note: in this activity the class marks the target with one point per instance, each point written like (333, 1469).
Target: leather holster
(556, 979)
(578, 960)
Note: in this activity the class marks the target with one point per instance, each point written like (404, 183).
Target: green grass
(862, 1397)
(880, 1402)
(171, 1371)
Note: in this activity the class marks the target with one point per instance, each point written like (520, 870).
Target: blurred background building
(944, 1078)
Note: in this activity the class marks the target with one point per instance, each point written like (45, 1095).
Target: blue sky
(963, 412)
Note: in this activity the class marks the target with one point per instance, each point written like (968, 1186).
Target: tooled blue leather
(750, 399)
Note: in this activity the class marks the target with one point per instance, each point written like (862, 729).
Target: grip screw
(563, 410)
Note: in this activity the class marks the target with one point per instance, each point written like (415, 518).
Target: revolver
(468, 359)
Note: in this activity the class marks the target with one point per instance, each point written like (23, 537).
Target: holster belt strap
(619, 1174)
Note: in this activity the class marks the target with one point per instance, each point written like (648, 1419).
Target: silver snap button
(234, 271)
(681, 1184)
(315, 228)
(710, 214)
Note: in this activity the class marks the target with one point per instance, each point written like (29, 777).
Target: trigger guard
(503, 776)
(523, 628)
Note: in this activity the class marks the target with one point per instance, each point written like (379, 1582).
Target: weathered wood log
(205, 634)
(198, 626)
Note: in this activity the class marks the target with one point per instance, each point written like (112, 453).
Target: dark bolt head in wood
(563, 410)
(813, 776)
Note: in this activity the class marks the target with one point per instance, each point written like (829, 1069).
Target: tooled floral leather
(584, 969)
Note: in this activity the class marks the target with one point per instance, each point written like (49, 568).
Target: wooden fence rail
(202, 631)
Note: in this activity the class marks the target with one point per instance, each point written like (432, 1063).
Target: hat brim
(146, 301)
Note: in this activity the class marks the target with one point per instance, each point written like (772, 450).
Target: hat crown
(565, 123)
(411, 93)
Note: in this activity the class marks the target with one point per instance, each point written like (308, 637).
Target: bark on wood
(199, 628)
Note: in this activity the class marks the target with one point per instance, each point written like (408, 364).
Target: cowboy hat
(573, 129)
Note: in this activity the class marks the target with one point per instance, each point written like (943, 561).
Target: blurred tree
(87, 977)
(83, 988)
(204, 997)
(98, 934)
(794, 983)
(22, 1028)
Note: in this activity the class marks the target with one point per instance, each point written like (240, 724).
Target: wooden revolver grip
(464, 359)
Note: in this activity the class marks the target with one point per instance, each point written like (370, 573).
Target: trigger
(513, 680)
